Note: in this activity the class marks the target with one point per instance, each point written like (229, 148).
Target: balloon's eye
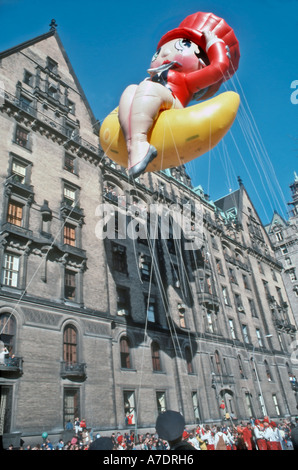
(155, 55)
(182, 44)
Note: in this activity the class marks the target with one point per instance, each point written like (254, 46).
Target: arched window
(70, 346)
(8, 331)
(125, 360)
(155, 355)
(188, 357)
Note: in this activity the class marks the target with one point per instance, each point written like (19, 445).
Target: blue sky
(110, 45)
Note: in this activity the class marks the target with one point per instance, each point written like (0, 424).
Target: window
(249, 403)
(145, 267)
(15, 213)
(279, 295)
(218, 367)
(225, 296)
(71, 107)
(219, 266)
(70, 285)
(196, 409)
(7, 331)
(238, 303)
(288, 262)
(240, 367)
(260, 266)
(119, 258)
(52, 65)
(129, 407)
(70, 235)
(71, 405)
(155, 355)
(232, 276)
(292, 275)
(262, 404)
(70, 132)
(19, 170)
(69, 195)
(125, 361)
(151, 310)
(209, 285)
(52, 90)
(25, 103)
(284, 250)
(232, 328)
(11, 270)
(188, 358)
(181, 311)
(28, 78)
(161, 402)
(279, 236)
(70, 345)
(70, 163)
(266, 289)
(245, 334)
(245, 281)
(259, 337)
(268, 373)
(123, 301)
(22, 137)
(210, 322)
(275, 402)
(252, 307)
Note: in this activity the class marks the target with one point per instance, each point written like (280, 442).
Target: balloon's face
(180, 50)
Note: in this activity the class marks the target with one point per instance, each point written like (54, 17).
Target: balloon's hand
(209, 36)
(211, 39)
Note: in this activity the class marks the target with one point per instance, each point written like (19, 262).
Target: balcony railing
(12, 365)
(73, 370)
(211, 301)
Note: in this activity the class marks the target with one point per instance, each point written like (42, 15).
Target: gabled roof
(277, 220)
(43, 37)
(31, 42)
(229, 201)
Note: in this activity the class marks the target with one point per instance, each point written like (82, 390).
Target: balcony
(18, 186)
(210, 301)
(73, 250)
(75, 370)
(16, 230)
(11, 367)
(223, 379)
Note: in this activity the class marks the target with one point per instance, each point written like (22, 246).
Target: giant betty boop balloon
(153, 129)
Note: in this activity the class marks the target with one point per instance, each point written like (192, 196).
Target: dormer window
(28, 78)
(52, 66)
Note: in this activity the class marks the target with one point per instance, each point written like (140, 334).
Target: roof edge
(26, 44)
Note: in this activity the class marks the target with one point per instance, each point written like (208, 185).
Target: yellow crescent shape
(179, 135)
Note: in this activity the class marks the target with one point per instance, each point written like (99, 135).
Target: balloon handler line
(179, 135)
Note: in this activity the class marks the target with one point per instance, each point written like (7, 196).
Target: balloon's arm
(212, 73)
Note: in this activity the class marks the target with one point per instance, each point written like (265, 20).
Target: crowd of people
(171, 431)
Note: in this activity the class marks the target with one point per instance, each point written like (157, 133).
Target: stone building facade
(118, 299)
(284, 238)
